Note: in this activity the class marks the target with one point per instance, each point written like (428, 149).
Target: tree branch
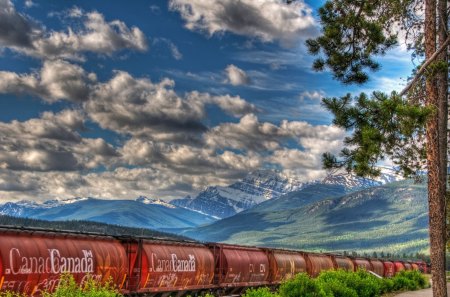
(425, 65)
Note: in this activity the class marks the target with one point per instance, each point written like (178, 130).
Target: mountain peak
(146, 200)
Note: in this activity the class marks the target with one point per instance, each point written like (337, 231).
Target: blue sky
(162, 98)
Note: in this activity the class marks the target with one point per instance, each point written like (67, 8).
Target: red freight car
(239, 266)
(317, 263)
(166, 266)
(361, 263)
(407, 266)
(341, 262)
(389, 269)
(398, 266)
(33, 261)
(284, 265)
(377, 266)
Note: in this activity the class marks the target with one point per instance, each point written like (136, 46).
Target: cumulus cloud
(236, 76)
(56, 80)
(95, 34)
(251, 134)
(267, 20)
(51, 142)
(139, 106)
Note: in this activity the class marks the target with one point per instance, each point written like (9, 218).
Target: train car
(414, 266)
(32, 261)
(361, 263)
(238, 267)
(398, 266)
(164, 267)
(284, 265)
(389, 269)
(423, 267)
(377, 267)
(407, 265)
(316, 263)
(342, 262)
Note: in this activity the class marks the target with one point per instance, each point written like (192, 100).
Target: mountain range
(391, 218)
(142, 212)
(340, 212)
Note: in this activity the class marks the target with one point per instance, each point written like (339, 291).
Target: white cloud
(267, 20)
(52, 142)
(29, 3)
(95, 34)
(236, 76)
(139, 106)
(55, 81)
(312, 95)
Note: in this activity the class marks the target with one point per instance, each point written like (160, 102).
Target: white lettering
(54, 263)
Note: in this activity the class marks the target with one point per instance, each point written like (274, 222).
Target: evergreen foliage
(381, 126)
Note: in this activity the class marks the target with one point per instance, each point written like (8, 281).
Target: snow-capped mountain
(256, 187)
(352, 182)
(143, 212)
(146, 200)
(260, 186)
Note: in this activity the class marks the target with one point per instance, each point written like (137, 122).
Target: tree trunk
(436, 183)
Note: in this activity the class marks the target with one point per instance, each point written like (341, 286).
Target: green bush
(409, 280)
(68, 287)
(303, 286)
(259, 292)
(344, 283)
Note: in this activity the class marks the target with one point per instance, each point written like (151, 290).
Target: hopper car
(32, 261)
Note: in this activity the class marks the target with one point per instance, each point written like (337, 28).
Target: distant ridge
(85, 226)
(322, 217)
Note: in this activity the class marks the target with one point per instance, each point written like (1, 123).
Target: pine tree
(410, 127)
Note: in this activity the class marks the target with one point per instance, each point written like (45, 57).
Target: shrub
(344, 283)
(259, 292)
(303, 286)
(409, 280)
(68, 287)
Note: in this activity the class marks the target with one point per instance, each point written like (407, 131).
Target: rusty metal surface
(407, 266)
(377, 267)
(240, 266)
(389, 269)
(398, 266)
(344, 263)
(363, 264)
(285, 265)
(316, 263)
(422, 267)
(171, 267)
(32, 262)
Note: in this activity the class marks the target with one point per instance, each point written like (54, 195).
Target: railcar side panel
(317, 263)
(389, 269)
(398, 266)
(285, 265)
(238, 266)
(407, 266)
(363, 264)
(377, 267)
(345, 263)
(32, 262)
(175, 267)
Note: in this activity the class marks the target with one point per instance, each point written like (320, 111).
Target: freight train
(32, 261)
